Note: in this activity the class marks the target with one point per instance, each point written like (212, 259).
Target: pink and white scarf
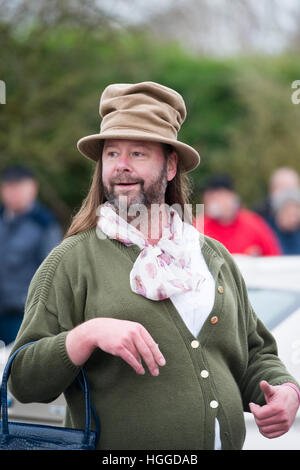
(164, 269)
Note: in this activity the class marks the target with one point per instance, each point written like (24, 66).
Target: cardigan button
(214, 404)
(221, 290)
(214, 320)
(195, 344)
(204, 374)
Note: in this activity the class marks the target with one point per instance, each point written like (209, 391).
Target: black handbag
(19, 436)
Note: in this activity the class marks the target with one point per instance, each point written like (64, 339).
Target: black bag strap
(84, 385)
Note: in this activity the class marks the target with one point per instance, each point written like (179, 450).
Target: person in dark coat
(282, 179)
(285, 221)
(28, 232)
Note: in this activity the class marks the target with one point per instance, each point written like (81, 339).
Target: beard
(154, 193)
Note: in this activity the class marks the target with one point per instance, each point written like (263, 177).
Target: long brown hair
(178, 192)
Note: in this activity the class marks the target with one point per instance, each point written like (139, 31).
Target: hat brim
(91, 146)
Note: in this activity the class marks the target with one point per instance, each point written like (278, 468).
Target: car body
(41, 413)
(273, 284)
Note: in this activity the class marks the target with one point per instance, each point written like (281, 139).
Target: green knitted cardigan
(87, 277)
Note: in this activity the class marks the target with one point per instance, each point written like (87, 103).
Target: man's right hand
(126, 339)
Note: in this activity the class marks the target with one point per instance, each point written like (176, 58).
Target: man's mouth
(126, 185)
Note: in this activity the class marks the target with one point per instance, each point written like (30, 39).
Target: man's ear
(172, 165)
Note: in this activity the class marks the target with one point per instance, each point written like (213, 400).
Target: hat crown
(145, 111)
(147, 107)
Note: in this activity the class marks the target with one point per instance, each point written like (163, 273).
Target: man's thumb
(267, 390)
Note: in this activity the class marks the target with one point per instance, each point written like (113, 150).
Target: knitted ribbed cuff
(63, 353)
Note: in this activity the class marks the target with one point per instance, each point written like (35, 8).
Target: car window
(273, 306)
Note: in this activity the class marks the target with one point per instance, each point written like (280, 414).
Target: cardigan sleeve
(43, 370)
(263, 360)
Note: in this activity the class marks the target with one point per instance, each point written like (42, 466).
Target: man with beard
(173, 351)
(136, 174)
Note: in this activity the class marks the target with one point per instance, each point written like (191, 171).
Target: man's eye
(112, 154)
(138, 154)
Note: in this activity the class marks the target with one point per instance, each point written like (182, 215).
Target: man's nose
(124, 161)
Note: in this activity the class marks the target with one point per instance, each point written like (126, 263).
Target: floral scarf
(164, 269)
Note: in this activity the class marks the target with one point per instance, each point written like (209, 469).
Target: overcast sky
(219, 26)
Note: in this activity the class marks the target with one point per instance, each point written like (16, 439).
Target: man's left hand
(276, 417)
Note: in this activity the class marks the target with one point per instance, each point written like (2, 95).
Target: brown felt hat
(144, 111)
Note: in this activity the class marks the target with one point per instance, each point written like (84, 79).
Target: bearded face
(134, 173)
(136, 192)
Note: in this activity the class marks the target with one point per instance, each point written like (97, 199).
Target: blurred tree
(56, 57)
(268, 133)
(55, 74)
(46, 50)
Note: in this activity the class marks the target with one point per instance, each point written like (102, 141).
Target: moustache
(125, 180)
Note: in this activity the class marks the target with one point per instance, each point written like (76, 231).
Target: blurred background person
(239, 230)
(281, 180)
(285, 220)
(28, 232)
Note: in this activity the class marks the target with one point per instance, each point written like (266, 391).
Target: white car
(273, 285)
(40, 413)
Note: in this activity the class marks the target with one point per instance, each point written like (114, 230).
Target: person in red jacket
(241, 231)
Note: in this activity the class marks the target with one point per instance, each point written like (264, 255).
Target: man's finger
(273, 431)
(276, 418)
(272, 428)
(158, 356)
(146, 354)
(263, 412)
(128, 357)
(273, 435)
(254, 408)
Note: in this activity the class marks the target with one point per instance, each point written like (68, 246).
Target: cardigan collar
(213, 260)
